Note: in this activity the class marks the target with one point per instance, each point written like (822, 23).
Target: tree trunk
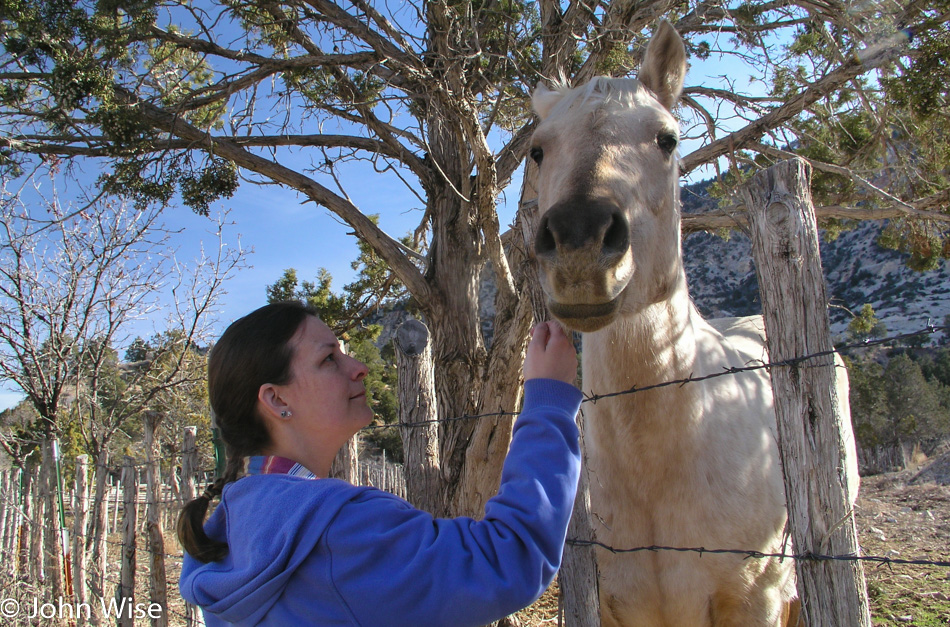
(417, 411)
(451, 314)
(346, 464)
(821, 520)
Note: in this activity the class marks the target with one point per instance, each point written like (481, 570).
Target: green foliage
(866, 325)
(145, 180)
(374, 286)
(924, 241)
(199, 188)
(902, 400)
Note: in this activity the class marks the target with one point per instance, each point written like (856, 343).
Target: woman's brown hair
(253, 351)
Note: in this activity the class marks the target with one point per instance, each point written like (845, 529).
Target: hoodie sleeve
(391, 564)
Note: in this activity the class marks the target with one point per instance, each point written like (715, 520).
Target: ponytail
(190, 528)
(254, 350)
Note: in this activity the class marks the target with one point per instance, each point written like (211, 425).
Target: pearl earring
(285, 414)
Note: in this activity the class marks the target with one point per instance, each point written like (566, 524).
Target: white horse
(695, 465)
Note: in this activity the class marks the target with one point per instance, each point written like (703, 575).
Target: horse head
(608, 242)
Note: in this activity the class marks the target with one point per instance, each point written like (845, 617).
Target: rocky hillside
(857, 271)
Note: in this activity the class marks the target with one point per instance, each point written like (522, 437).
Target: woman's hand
(551, 354)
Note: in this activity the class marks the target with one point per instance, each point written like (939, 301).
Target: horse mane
(605, 90)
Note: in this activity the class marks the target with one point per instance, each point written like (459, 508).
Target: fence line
(760, 555)
(753, 554)
(727, 370)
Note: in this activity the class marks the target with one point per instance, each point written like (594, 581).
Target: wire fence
(929, 329)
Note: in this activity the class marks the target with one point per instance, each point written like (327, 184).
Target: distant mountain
(722, 278)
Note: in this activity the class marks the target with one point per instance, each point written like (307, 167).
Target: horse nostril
(617, 237)
(545, 242)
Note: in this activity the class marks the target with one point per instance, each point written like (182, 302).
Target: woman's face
(326, 394)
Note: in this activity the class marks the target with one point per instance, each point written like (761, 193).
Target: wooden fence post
(189, 466)
(80, 520)
(157, 586)
(52, 535)
(26, 528)
(579, 589)
(15, 520)
(417, 414)
(7, 507)
(125, 594)
(794, 305)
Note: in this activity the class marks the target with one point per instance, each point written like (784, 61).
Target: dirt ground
(906, 516)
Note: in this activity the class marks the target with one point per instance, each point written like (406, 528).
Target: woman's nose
(360, 370)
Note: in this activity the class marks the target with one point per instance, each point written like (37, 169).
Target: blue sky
(281, 232)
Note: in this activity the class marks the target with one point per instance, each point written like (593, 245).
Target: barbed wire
(929, 329)
(809, 556)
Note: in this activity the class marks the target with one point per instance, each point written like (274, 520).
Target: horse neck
(654, 345)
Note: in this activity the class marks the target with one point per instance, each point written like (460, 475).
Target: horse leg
(793, 614)
(759, 608)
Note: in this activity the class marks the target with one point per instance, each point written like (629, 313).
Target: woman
(282, 549)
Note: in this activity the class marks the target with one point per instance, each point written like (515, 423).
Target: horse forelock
(602, 92)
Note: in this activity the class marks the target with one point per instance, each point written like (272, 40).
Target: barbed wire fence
(18, 525)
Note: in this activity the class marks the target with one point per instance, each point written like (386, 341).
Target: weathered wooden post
(417, 417)
(157, 586)
(125, 593)
(26, 528)
(7, 509)
(5, 506)
(792, 287)
(99, 531)
(189, 465)
(53, 535)
(80, 520)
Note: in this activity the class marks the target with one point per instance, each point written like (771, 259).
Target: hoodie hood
(265, 547)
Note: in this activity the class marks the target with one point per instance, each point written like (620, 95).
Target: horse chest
(675, 467)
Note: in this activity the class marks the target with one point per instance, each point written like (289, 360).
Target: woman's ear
(272, 404)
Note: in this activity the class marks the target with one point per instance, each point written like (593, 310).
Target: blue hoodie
(324, 552)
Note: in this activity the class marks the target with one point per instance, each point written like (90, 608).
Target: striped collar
(274, 465)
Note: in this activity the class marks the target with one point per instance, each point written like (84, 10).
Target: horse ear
(544, 99)
(663, 68)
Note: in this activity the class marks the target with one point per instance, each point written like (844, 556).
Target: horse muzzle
(585, 261)
(583, 317)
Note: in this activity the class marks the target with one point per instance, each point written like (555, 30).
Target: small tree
(866, 325)
(71, 283)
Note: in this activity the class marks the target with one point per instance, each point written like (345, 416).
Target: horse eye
(537, 155)
(666, 142)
